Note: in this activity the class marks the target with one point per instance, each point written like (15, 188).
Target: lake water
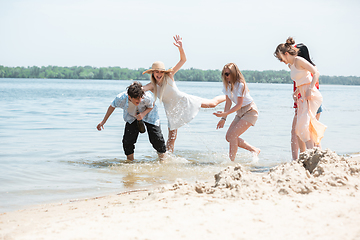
(50, 149)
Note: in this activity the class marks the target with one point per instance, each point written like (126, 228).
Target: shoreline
(241, 205)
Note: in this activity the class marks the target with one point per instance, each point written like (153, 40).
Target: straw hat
(157, 66)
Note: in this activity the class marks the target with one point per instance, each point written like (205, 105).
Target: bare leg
(318, 117)
(211, 103)
(130, 157)
(294, 140)
(310, 144)
(238, 127)
(161, 156)
(171, 140)
(302, 145)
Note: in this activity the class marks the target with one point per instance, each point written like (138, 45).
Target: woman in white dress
(180, 107)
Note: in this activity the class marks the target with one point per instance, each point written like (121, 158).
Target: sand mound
(315, 170)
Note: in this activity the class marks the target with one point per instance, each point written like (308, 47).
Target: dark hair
(286, 47)
(135, 90)
(304, 52)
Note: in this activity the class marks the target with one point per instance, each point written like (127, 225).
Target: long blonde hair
(166, 79)
(235, 76)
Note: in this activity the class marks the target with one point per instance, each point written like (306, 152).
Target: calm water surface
(50, 149)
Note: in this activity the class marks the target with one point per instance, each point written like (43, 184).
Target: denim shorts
(319, 110)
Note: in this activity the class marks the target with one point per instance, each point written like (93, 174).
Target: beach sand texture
(316, 197)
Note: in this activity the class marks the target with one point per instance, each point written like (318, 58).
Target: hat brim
(151, 70)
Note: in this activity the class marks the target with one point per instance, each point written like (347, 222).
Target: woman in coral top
(296, 143)
(305, 75)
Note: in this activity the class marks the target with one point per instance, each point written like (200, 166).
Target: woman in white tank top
(308, 128)
(236, 91)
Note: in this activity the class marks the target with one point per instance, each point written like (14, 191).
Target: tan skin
(159, 77)
(237, 127)
(301, 63)
(140, 116)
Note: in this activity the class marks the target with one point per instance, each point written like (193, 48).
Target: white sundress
(180, 108)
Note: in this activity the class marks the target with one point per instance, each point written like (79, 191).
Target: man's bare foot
(130, 157)
(162, 156)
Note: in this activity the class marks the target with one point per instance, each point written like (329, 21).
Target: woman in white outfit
(180, 107)
(236, 91)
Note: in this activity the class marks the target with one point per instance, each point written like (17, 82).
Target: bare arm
(295, 94)
(304, 64)
(143, 114)
(178, 44)
(221, 122)
(236, 107)
(148, 87)
(233, 109)
(107, 115)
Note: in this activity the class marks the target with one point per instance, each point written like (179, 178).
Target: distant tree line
(192, 74)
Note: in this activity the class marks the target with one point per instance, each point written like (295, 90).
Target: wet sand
(315, 198)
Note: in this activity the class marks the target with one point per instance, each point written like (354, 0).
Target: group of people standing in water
(180, 108)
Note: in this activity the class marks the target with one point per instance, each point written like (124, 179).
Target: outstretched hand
(100, 126)
(220, 114)
(178, 41)
(220, 124)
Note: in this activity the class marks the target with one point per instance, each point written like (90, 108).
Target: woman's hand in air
(178, 41)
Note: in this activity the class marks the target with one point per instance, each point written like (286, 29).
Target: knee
(229, 138)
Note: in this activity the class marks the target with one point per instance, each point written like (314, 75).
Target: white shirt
(237, 92)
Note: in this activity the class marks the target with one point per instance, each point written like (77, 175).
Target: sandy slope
(286, 203)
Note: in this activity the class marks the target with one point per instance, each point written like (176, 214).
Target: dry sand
(316, 197)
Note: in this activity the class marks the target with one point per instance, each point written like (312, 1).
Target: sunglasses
(227, 74)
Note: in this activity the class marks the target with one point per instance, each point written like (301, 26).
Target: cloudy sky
(135, 33)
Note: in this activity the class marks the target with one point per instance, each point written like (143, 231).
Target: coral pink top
(300, 76)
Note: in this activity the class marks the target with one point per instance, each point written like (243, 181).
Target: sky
(135, 33)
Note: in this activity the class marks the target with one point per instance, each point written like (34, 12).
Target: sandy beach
(316, 197)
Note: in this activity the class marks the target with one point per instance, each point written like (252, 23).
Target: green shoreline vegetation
(192, 74)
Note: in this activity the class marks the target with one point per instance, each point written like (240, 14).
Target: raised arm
(178, 44)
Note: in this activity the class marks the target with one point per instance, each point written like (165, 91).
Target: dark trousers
(131, 134)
